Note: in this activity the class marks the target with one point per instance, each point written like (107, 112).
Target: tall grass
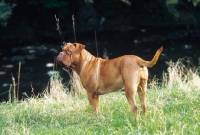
(75, 86)
(173, 108)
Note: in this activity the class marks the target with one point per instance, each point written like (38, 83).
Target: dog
(101, 76)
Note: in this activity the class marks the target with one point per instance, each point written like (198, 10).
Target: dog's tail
(153, 61)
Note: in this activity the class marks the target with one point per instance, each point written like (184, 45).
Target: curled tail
(153, 61)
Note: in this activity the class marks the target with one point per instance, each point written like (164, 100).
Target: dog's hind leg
(130, 79)
(142, 94)
(130, 95)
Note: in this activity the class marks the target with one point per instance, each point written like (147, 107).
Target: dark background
(28, 34)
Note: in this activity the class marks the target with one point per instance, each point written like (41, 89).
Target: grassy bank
(173, 108)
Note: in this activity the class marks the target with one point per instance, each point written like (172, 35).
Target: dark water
(37, 60)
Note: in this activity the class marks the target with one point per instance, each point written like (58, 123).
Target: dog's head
(70, 54)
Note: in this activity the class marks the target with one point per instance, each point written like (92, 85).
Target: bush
(5, 12)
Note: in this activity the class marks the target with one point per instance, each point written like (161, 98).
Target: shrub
(5, 12)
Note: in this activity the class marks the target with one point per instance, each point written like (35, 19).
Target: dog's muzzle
(59, 57)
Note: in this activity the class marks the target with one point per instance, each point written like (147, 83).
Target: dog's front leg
(94, 101)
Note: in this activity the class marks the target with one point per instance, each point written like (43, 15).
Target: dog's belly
(110, 85)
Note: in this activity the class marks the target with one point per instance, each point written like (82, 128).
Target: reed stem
(19, 70)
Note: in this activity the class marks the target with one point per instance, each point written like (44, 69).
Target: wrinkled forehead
(68, 46)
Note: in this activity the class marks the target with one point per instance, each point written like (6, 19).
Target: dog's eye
(68, 52)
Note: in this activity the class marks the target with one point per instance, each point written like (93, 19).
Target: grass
(173, 108)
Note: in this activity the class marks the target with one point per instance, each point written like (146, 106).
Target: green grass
(172, 108)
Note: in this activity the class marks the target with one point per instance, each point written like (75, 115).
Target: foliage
(38, 16)
(166, 12)
(54, 3)
(5, 12)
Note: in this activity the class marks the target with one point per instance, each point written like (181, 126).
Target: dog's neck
(84, 58)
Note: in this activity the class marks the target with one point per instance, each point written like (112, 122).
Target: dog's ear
(79, 47)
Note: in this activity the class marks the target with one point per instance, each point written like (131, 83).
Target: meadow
(173, 108)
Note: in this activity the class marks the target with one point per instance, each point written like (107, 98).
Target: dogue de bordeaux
(101, 76)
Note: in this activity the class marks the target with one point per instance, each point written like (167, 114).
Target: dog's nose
(59, 56)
